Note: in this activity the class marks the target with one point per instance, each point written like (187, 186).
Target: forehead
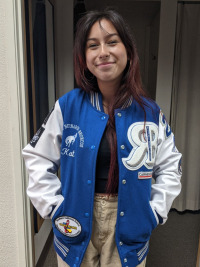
(103, 26)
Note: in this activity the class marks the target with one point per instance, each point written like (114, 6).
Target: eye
(92, 45)
(112, 42)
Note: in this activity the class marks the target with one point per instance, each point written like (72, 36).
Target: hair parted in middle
(131, 83)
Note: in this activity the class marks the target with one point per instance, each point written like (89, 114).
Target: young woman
(110, 140)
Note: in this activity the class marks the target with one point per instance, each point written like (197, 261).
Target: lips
(104, 64)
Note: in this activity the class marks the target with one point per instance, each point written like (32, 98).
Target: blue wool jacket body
(70, 137)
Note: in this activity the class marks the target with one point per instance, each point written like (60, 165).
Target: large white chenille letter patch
(144, 145)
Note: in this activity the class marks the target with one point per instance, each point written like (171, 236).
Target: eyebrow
(107, 37)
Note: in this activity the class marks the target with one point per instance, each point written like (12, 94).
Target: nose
(104, 52)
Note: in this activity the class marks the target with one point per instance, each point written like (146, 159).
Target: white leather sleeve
(166, 172)
(42, 159)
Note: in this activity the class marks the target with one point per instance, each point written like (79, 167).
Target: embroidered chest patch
(144, 145)
(68, 226)
(75, 135)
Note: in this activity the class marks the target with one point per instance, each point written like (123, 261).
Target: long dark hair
(131, 84)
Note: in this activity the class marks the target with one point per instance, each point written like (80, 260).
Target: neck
(109, 91)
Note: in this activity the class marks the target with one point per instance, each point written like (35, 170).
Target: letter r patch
(144, 145)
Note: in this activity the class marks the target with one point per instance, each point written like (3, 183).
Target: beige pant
(102, 250)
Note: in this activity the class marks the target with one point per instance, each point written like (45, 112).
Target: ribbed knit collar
(96, 101)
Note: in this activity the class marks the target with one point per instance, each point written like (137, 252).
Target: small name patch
(68, 226)
(144, 175)
(37, 136)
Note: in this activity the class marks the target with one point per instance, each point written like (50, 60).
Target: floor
(174, 244)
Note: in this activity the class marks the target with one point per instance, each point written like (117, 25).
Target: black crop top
(102, 165)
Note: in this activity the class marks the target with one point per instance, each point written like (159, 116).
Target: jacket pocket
(141, 254)
(66, 227)
(61, 247)
(56, 208)
(154, 214)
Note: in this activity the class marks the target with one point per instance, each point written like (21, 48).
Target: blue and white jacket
(70, 137)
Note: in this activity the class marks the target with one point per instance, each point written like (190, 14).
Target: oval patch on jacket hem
(68, 226)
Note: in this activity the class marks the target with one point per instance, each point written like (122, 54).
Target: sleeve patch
(163, 121)
(36, 137)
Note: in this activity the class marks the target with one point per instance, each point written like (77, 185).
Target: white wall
(8, 222)
(8, 235)
(15, 245)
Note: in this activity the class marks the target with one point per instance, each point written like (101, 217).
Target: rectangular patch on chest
(144, 175)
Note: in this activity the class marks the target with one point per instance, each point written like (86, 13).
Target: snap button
(77, 259)
(86, 214)
(93, 147)
(125, 260)
(121, 213)
(103, 118)
(124, 181)
(122, 146)
(120, 243)
(89, 182)
(103, 202)
(119, 114)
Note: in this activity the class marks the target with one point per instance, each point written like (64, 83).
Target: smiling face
(106, 55)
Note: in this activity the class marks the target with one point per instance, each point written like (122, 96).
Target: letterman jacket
(70, 137)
